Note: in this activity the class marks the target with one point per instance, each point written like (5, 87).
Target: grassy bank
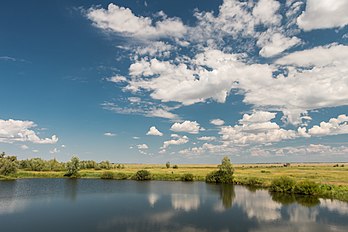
(332, 179)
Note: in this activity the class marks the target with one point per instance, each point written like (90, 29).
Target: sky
(179, 81)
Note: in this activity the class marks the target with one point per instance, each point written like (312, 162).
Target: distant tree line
(9, 165)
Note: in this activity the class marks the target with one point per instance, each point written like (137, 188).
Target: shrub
(264, 171)
(120, 176)
(254, 181)
(283, 184)
(175, 166)
(223, 175)
(7, 167)
(168, 165)
(36, 164)
(306, 188)
(107, 175)
(219, 177)
(73, 167)
(143, 175)
(187, 177)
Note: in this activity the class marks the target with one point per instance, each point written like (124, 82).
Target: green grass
(332, 181)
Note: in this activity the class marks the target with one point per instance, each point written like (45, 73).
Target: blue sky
(179, 81)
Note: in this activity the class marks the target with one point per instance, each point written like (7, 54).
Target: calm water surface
(99, 205)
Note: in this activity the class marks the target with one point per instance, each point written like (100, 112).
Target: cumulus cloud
(153, 131)
(21, 131)
(256, 128)
(321, 14)
(191, 127)
(122, 20)
(117, 79)
(334, 126)
(313, 149)
(214, 69)
(177, 140)
(142, 146)
(207, 138)
(275, 43)
(217, 122)
(109, 134)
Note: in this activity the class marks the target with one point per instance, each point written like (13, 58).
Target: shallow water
(108, 205)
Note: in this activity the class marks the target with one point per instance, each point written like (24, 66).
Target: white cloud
(157, 48)
(117, 79)
(321, 14)
(142, 146)
(265, 12)
(177, 141)
(275, 43)
(122, 20)
(153, 131)
(191, 127)
(207, 138)
(217, 68)
(334, 126)
(329, 55)
(24, 147)
(54, 151)
(217, 122)
(145, 108)
(312, 149)
(134, 99)
(257, 117)
(256, 128)
(109, 134)
(20, 131)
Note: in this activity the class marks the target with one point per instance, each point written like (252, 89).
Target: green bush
(223, 175)
(283, 184)
(120, 176)
(7, 167)
(219, 177)
(73, 167)
(175, 166)
(107, 175)
(187, 177)
(143, 175)
(254, 181)
(168, 165)
(306, 188)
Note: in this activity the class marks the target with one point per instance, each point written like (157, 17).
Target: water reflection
(304, 200)
(9, 203)
(95, 205)
(258, 204)
(70, 188)
(186, 202)
(152, 198)
(335, 206)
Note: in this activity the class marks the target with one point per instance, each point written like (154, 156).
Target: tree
(8, 164)
(73, 167)
(143, 175)
(168, 164)
(224, 174)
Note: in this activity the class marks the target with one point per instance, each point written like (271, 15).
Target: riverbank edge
(325, 191)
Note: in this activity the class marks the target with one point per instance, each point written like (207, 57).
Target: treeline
(10, 164)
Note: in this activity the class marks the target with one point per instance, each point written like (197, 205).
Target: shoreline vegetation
(322, 180)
